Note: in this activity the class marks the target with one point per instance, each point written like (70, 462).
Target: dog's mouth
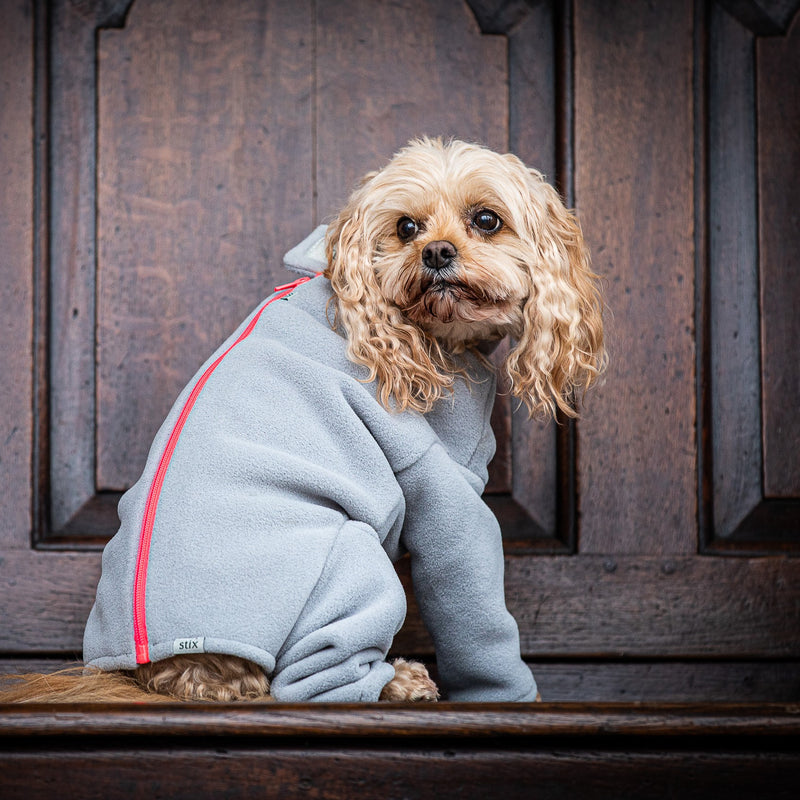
(447, 299)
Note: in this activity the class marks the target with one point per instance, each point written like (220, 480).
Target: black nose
(438, 255)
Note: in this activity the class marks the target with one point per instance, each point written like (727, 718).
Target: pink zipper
(140, 580)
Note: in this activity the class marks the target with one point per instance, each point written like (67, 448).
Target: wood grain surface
(425, 721)
(778, 69)
(634, 192)
(733, 276)
(69, 429)
(16, 297)
(514, 772)
(333, 752)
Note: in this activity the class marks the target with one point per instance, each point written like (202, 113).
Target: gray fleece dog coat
(275, 499)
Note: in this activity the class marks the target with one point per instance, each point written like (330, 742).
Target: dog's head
(451, 246)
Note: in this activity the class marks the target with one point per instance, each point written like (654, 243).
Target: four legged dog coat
(274, 500)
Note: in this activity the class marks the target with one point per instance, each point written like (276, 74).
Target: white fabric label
(193, 644)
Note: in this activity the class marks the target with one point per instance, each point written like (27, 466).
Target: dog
(344, 424)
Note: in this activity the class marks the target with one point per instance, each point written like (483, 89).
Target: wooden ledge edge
(458, 720)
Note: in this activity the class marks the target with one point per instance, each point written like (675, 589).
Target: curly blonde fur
(411, 684)
(530, 279)
(208, 677)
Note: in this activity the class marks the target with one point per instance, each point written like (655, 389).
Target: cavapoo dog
(344, 424)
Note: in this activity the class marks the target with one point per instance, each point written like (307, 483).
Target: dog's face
(446, 248)
(452, 245)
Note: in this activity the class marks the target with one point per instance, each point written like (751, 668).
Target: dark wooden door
(158, 158)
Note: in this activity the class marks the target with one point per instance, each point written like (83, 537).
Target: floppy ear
(560, 350)
(409, 366)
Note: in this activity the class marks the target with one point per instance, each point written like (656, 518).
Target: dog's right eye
(406, 229)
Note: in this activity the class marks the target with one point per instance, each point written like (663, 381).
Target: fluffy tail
(210, 677)
(75, 685)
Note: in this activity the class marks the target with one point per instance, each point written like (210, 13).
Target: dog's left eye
(406, 228)
(487, 221)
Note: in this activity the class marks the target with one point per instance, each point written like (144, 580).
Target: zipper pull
(294, 284)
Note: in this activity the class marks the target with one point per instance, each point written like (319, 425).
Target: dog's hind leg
(209, 676)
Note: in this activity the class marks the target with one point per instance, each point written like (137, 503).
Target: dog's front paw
(411, 684)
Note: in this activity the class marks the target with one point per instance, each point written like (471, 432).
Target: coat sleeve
(457, 569)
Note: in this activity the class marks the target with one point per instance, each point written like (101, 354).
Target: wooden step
(550, 750)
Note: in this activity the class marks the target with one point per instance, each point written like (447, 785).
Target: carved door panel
(177, 151)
